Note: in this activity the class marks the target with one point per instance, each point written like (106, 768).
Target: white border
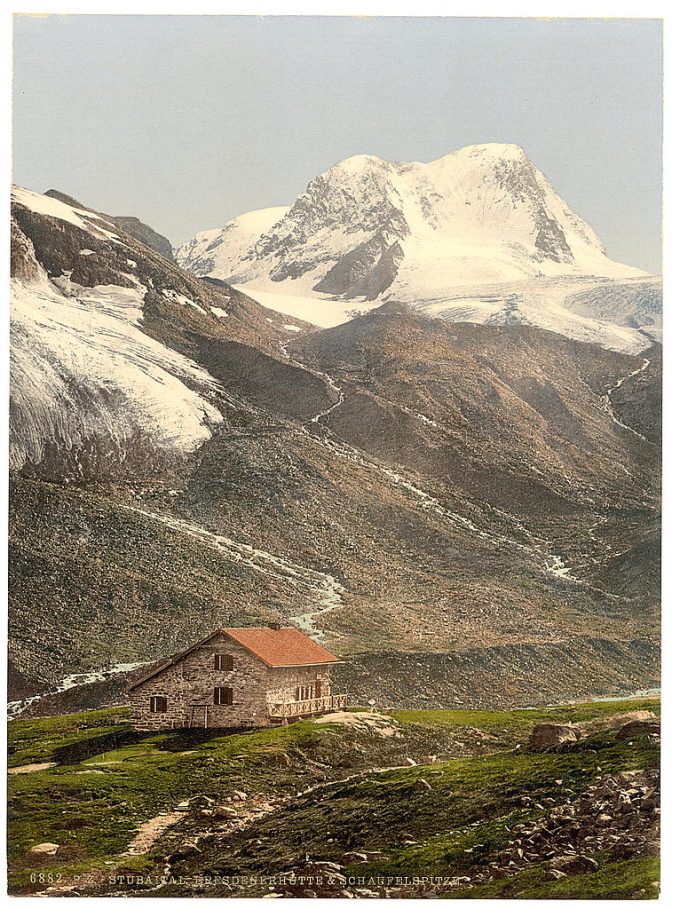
(482, 8)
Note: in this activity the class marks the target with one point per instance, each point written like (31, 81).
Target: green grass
(35, 741)
(471, 802)
(496, 721)
(616, 881)
(92, 807)
(108, 780)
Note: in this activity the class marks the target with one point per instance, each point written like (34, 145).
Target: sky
(189, 121)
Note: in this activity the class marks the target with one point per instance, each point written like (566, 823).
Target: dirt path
(153, 830)
(32, 768)
(147, 836)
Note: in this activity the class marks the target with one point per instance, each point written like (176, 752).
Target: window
(223, 696)
(304, 693)
(159, 704)
(224, 661)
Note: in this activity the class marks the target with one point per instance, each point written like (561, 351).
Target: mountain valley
(183, 457)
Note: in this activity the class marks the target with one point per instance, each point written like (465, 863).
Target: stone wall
(192, 681)
(282, 683)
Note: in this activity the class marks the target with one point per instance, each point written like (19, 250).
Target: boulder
(225, 812)
(183, 851)
(552, 735)
(320, 867)
(637, 728)
(354, 858)
(200, 801)
(44, 849)
(553, 875)
(573, 864)
(279, 759)
(621, 719)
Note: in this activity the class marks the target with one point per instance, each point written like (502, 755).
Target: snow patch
(53, 208)
(82, 370)
(177, 297)
(214, 252)
(325, 313)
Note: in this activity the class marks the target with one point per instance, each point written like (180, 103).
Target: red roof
(277, 647)
(282, 646)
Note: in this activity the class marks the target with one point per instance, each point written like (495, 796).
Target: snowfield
(211, 251)
(322, 311)
(53, 208)
(478, 235)
(568, 306)
(83, 372)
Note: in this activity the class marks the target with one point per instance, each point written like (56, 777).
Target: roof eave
(180, 656)
(302, 665)
(172, 661)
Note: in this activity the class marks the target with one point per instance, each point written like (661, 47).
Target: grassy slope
(509, 721)
(92, 808)
(94, 815)
(470, 804)
(35, 741)
(616, 881)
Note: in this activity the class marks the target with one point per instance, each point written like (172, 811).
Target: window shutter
(224, 662)
(223, 696)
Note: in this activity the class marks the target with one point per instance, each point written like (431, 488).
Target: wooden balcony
(293, 709)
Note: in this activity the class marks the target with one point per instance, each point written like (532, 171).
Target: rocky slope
(456, 508)
(94, 393)
(359, 804)
(130, 224)
(464, 238)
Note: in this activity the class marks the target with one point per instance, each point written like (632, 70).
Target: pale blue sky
(188, 121)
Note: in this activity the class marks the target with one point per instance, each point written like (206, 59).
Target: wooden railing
(286, 709)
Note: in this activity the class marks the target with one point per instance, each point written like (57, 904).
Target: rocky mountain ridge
(129, 223)
(351, 481)
(478, 235)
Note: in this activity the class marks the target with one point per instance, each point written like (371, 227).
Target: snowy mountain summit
(427, 234)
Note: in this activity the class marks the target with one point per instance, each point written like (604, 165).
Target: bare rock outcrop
(547, 736)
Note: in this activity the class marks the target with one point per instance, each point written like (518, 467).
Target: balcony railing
(286, 709)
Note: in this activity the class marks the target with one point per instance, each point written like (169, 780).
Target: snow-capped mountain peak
(372, 230)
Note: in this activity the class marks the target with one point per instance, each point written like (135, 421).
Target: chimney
(275, 626)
